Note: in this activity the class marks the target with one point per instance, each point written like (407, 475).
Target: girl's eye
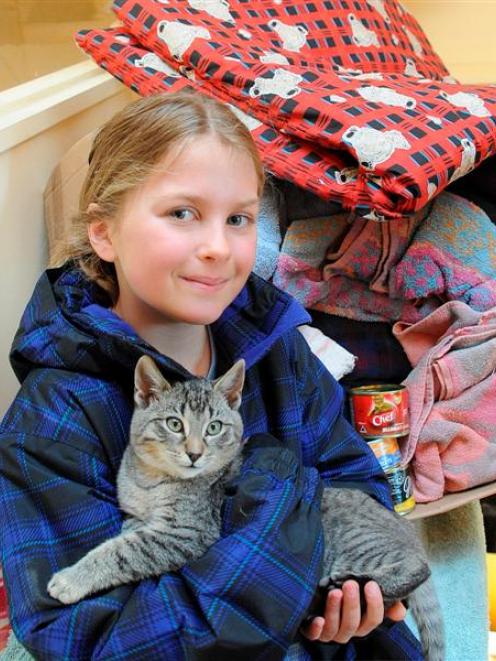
(174, 424)
(238, 220)
(214, 427)
(181, 214)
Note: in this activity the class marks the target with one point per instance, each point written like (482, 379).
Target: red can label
(380, 410)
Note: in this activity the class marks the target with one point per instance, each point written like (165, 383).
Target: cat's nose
(193, 456)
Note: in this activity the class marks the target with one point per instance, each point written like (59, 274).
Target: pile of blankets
(373, 271)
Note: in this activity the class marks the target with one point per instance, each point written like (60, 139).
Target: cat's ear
(231, 384)
(148, 382)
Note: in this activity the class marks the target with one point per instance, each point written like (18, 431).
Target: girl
(159, 263)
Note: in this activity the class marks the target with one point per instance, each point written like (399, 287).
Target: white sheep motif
(270, 57)
(358, 74)
(334, 98)
(386, 96)
(362, 36)
(283, 84)
(293, 37)
(469, 153)
(372, 146)
(414, 42)
(250, 122)
(472, 103)
(411, 68)
(178, 37)
(216, 8)
(378, 5)
(345, 176)
(152, 61)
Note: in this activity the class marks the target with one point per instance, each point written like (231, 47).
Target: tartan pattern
(60, 445)
(381, 143)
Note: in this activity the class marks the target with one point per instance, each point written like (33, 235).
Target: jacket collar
(67, 325)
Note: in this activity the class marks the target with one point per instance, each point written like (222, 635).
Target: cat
(193, 431)
(365, 541)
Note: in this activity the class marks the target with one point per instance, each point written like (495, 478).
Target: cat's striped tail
(427, 613)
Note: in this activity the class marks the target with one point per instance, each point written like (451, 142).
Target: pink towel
(452, 391)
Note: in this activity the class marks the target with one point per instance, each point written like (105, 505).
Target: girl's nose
(214, 242)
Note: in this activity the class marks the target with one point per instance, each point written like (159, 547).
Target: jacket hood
(67, 326)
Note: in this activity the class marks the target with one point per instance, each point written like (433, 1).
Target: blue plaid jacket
(60, 446)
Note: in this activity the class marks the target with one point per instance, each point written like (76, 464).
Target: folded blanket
(376, 272)
(452, 440)
(338, 361)
(452, 255)
(381, 136)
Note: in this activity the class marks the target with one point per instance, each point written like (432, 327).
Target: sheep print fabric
(345, 99)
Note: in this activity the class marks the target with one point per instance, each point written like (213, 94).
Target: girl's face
(185, 241)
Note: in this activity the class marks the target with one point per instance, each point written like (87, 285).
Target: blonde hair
(124, 154)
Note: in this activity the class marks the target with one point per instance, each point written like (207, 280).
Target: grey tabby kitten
(365, 541)
(185, 444)
(192, 433)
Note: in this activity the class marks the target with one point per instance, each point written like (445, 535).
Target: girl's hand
(343, 618)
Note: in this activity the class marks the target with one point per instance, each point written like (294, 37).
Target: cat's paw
(66, 586)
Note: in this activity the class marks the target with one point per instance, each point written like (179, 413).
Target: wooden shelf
(451, 501)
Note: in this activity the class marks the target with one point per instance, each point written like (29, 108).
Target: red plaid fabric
(381, 144)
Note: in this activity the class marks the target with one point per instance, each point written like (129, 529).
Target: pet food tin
(380, 410)
(387, 451)
(401, 489)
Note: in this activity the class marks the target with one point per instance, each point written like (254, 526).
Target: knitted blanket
(377, 272)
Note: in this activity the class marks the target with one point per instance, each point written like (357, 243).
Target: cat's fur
(171, 486)
(365, 541)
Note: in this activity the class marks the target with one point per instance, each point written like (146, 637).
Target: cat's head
(187, 429)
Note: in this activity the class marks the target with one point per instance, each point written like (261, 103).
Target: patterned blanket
(379, 272)
(347, 100)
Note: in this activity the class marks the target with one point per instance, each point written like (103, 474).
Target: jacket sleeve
(246, 596)
(344, 458)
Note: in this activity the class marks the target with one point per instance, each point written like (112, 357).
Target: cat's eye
(174, 424)
(214, 427)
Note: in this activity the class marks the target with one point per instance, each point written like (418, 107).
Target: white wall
(24, 171)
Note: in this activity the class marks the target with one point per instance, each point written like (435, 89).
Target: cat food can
(387, 451)
(401, 489)
(380, 410)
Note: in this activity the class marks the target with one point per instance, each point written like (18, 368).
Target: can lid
(377, 387)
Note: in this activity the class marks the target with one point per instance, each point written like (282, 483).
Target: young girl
(159, 263)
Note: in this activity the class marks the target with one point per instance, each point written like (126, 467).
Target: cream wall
(463, 32)
(24, 171)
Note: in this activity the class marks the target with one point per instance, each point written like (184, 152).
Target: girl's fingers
(396, 612)
(350, 614)
(314, 629)
(343, 618)
(374, 613)
(332, 616)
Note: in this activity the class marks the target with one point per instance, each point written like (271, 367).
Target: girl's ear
(99, 235)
